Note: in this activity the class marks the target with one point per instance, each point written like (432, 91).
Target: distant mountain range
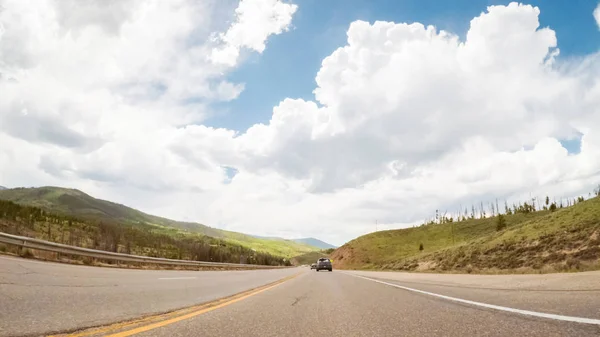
(315, 243)
(3, 188)
(307, 241)
(76, 203)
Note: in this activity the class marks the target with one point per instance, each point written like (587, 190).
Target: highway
(38, 298)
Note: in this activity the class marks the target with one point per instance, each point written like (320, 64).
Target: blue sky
(288, 66)
(317, 181)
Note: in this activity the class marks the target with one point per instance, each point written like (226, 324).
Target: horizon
(150, 213)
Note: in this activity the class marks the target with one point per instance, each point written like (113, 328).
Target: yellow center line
(204, 308)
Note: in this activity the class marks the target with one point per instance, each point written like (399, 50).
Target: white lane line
(491, 306)
(177, 278)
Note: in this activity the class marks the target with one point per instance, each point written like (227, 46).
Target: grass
(76, 203)
(309, 258)
(543, 241)
(286, 248)
(138, 239)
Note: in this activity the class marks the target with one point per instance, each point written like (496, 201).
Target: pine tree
(500, 223)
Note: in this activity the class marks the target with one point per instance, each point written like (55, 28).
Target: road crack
(298, 299)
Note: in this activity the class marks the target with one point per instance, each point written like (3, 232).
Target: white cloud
(597, 15)
(112, 82)
(407, 94)
(255, 21)
(406, 119)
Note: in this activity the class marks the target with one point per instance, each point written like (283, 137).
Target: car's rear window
(323, 260)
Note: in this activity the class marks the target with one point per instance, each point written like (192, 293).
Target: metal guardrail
(26, 242)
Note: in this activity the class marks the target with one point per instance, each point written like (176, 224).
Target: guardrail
(26, 242)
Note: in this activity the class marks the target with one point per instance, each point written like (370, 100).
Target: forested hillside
(139, 239)
(72, 202)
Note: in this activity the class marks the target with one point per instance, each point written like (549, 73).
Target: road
(38, 297)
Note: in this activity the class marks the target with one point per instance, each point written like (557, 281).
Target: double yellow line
(156, 321)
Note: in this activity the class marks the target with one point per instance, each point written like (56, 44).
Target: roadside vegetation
(534, 236)
(63, 202)
(311, 257)
(138, 239)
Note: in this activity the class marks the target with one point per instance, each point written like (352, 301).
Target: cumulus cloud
(402, 95)
(99, 82)
(406, 118)
(255, 21)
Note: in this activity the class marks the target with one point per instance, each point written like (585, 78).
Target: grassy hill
(281, 247)
(309, 258)
(76, 203)
(304, 241)
(567, 239)
(138, 239)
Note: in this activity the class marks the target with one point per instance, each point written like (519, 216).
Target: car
(313, 266)
(324, 264)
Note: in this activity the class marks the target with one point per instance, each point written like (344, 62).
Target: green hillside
(138, 239)
(560, 240)
(73, 202)
(281, 247)
(310, 257)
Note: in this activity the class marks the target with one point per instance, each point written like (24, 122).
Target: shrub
(573, 263)
(26, 253)
(421, 247)
(500, 223)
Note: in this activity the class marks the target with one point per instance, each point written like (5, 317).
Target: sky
(301, 118)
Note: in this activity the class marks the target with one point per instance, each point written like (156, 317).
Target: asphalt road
(311, 304)
(41, 297)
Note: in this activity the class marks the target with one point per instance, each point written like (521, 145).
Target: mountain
(524, 240)
(77, 203)
(2, 188)
(306, 241)
(315, 243)
(268, 237)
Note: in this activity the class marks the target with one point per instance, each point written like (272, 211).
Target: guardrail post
(20, 249)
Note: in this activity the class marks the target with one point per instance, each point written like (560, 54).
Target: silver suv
(324, 264)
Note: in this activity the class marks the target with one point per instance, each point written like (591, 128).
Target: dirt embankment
(343, 257)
